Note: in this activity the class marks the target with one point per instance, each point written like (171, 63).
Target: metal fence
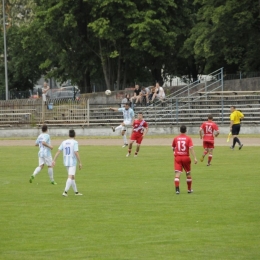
(33, 112)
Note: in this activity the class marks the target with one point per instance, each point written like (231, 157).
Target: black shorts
(235, 129)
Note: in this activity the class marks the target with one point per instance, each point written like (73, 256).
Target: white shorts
(127, 124)
(44, 97)
(45, 160)
(71, 170)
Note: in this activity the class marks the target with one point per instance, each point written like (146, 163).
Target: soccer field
(129, 209)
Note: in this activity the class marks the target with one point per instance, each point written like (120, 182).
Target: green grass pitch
(129, 209)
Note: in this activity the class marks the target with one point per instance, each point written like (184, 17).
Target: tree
(226, 34)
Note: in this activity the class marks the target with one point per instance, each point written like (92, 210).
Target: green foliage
(120, 41)
(129, 209)
(226, 34)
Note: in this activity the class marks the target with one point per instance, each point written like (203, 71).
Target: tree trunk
(118, 70)
(104, 67)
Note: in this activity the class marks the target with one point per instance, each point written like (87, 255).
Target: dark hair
(140, 113)
(127, 104)
(72, 133)
(233, 107)
(210, 117)
(44, 128)
(183, 129)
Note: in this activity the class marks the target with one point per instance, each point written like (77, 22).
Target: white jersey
(43, 150)
(128, 114)
(69, 147)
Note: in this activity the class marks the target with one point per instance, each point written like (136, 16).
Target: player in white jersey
(44, 154)
(129, 115)
(70, 149)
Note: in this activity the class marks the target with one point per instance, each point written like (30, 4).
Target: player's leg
(235, 132)
(238, 141)
(37, 169)
(124, 137)
(139, 139)
(204, 152)
(210, 156)
(178, 171)
(187, 167)
(68, 183)
(130, 146)
(48, 162)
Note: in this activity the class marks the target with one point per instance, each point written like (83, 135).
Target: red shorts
(208, 144)
(182, 162)
(137, 137)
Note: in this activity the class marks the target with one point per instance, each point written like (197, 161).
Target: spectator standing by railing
(45, 90)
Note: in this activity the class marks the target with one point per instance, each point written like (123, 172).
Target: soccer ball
(108, 92)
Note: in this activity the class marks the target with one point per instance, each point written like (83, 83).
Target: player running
(139, 130)
(44, 143)
(128, 114)
(182, 145)
(208, 130)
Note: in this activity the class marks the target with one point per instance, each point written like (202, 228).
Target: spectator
(145, 92)
(160, 94)
(45, 90)
(137, 95)
(125, 100)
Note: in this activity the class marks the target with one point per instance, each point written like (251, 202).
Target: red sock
(189, 182)
(177, 182)
(205, 152)
(209, 158)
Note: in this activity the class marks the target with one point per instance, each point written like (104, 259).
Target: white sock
(125, 139)
(37, 170)
(74, 186)
(50, 172)
(68, 184)
(119, 127)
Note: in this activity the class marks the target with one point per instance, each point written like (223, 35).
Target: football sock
(210, 158)
(74, 186)
(129, 151)
(204, 153)
(238, 141)
(37, 170)
(50, 172)
(177, 182)
(189, 182)
(234, 141)
(125, 139)
(136, 153)
(68, 184)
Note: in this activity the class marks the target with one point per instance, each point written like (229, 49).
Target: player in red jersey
(139, 130)
(182, 145)
(208, 130)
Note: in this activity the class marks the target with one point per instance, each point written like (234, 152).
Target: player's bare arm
(113, 108)
(217, 134)
(193, 154)
(201, 134)
(47, 145)
(145, 131)
(79, 161)
(55, 157)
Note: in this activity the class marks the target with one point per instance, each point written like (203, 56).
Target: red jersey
(139, 126)
(182, 144)
(208, 128)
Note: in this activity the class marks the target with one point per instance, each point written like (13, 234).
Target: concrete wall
(106, 131)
